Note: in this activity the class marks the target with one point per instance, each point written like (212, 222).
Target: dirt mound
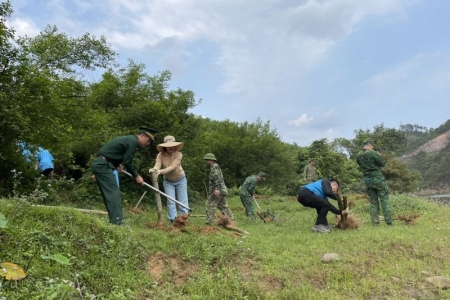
(170, 268)
(351, 222)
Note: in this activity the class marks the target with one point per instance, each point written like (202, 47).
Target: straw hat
(169, 141)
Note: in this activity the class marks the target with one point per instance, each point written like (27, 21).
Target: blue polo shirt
(45, 160)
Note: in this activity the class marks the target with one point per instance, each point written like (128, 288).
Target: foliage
(401, 179)
(405, 204)
(3, 222)
(387, 141)
(433, 168)
(46, 101)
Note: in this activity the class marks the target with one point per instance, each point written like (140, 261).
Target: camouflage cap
(262, 175)
(368, 142)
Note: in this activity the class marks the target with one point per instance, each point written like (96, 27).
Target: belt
(102, 157)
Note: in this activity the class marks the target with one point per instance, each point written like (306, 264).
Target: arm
(175, 163)
(379, 160)
(128, 156)
(305, 170)
(158, 163)
(248, 187)
(215, 180)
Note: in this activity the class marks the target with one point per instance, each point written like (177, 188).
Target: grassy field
(279, 260)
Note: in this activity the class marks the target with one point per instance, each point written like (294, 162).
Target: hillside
(436, 144)
(431, 158)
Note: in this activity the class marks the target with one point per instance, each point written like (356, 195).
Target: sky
(314, 69)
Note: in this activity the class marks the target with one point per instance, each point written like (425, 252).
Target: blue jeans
(178, 191)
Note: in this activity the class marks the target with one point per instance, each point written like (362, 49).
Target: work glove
(151, 170)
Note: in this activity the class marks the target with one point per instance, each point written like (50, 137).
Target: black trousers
(322, 206)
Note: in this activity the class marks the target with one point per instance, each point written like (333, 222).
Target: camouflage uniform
(310, 173)
(216, 182)
(371, 162)
(246, 194)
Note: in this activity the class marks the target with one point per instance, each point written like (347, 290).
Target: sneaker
(323, 229)
(315, 228)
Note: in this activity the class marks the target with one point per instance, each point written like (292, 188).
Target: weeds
(275, 261)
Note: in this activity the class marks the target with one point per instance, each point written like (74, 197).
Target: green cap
(149, 132)
(209, 156)
(262, 175)
(368, 142)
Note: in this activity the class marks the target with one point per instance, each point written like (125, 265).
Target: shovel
(158, 191)
(265, 216)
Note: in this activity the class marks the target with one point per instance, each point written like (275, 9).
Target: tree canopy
(46, 101)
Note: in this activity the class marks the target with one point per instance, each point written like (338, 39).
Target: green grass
(275, 261)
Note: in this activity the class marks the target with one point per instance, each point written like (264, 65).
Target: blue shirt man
(45, 162)
(315, 195)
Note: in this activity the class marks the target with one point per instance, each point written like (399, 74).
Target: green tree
(43, 96)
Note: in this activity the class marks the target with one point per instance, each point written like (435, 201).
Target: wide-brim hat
(169, 141)
(209, 156)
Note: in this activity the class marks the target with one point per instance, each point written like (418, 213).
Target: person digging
(315, 195)
(247, 192)
(217, 191)
(119, 151)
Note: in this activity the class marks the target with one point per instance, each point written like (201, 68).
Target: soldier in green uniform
(121, 150)
(247, 192)
(217, 192)
(371, 162)
(310, 172)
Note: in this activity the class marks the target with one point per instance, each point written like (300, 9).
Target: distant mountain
(432, 158)
(436, 144)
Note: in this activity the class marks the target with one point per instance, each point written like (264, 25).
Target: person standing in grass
(370, 163)
(310, 172)
(168, 163)
(315, 195)
(109, 158)
(217, 192)
(247, 192)
(45, 162)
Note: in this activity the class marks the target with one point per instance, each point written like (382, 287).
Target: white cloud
(301, 121)
(263, 45)
(23, 27)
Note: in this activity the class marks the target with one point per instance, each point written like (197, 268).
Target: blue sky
(314, 69)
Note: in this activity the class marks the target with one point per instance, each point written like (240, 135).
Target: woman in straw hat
(168, 163)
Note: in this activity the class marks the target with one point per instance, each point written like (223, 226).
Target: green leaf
(59, 258)
(3, 221)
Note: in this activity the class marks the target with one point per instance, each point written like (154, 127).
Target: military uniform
(371, 162)
(216, 182)
(310, 173)
(121, 150)
(246, 195)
